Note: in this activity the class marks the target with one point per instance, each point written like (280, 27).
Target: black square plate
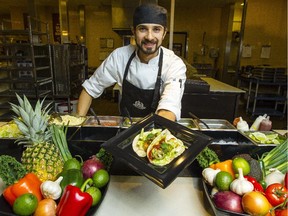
(121, 146)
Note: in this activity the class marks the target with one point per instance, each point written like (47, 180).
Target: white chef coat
(142, 75)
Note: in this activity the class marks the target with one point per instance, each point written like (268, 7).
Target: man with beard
(151, 78)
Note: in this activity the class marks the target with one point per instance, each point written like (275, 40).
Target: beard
(148, 50)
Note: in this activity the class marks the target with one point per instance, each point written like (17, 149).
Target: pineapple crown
(33, 123)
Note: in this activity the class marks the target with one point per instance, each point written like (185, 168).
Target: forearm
(167, 114)
(84, 103)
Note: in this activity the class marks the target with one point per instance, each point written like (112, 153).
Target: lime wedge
(258, 136)
(272, 136)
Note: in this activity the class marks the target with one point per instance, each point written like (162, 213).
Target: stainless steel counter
(218, 86)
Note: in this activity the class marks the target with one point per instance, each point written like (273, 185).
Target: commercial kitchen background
(221, 38)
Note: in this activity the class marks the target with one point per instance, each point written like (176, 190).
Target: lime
(240, 162)
(95, 193)
(25, 204)
(100, 178)
(223, 180)
(72, 163)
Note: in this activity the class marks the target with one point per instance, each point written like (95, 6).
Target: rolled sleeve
(173, 87)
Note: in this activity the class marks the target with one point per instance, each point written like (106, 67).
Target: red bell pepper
(30, 183)
(74, 202)
(256, 184)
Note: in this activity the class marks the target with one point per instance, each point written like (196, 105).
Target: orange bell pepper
(224, 166)
(30, 183)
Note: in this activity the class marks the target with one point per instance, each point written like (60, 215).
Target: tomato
(276, 193)
(255, 203)
(278, 212)
(281, 212)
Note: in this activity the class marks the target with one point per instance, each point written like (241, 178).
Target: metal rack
(267, 85)
(70, 71)
(25, 63)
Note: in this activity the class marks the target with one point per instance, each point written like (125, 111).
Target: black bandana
(150, 13)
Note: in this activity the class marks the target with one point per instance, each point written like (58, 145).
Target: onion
(228, 200)
(90, 166)
(46, 207)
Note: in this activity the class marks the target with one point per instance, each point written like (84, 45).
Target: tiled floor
(106, 105)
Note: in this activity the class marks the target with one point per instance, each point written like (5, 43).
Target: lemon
(100, 178)
(25, 204)
(223, 180)
(240, 162)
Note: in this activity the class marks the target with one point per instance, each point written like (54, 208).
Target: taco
(164, 148)
(143, 140)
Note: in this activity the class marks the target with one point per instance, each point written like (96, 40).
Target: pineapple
(41, 156)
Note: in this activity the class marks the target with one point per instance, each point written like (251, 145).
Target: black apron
(136, 102)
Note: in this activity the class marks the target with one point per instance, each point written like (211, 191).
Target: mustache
(148, 41)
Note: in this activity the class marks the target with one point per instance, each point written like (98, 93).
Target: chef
(151, 78)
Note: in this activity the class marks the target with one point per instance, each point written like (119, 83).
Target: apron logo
(139, 105)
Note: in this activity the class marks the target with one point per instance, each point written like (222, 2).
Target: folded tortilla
(143, 140)
(164, 148)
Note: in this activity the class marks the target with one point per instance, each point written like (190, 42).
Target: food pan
(216, 124)
(66, 119)
(127, 122)
(269, 142)
(188, 122)
(227, 137)
(105, 121)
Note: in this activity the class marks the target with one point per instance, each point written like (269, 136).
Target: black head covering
(150, 13)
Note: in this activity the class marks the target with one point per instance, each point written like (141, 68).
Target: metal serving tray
(216, 124)
(105, 121)
(126, 122)
(188, 122)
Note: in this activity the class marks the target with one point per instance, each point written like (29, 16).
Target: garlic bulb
(209, 175)
(51, 189)
(240, 185)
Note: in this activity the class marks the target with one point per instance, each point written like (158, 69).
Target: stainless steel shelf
(27, 62)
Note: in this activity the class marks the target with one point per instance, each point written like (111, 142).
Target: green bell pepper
(71, 177)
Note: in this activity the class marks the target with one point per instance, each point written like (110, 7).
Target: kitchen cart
(70, 70)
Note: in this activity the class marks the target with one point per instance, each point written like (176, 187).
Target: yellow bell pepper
(224, 166)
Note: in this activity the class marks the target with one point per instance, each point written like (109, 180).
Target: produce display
(49, 180)
(160, 146)
(244, 185)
